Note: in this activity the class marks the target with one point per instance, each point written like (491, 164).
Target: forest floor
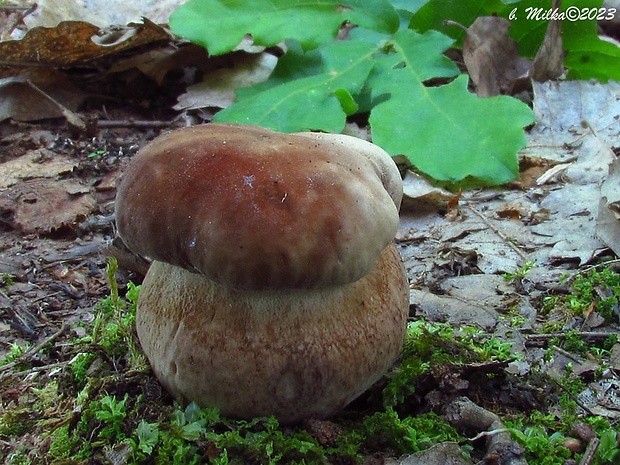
(512, 352)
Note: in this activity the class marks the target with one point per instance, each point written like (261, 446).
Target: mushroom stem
(294, 354)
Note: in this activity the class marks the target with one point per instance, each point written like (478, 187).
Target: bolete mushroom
(276, 288)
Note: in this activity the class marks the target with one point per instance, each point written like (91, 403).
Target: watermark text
(572, 13)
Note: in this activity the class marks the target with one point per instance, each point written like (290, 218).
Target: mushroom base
(294, 354)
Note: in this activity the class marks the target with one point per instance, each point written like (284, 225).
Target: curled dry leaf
(419, 190)
(549, 61)
(513, 211)
(218, 87)
(553, 174)
(42, 206)
(492, 56)
(608, 221)
(73, 42)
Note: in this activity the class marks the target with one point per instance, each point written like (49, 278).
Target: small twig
(590, 268)
(583, 334)
(17, 7)
(486, 434)
(588, 455)
(72, 118)
(567, 354)
(573, 397)
(22, 64)
(33, 351)
(137, 124)
(53, 294)
(29, 371)
(483, 197)
(498, 232)
(463, 414)
(25, 11)
(449, 22)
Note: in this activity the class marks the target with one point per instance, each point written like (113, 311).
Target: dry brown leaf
(38, 94)
(420, 190)
(514, 211)
(157, 63)
(553, 175)
(492, 56)
(530, 169)
(74, 42)
(608, 221)
(36, 163)
(102, 13)
(217, 89)
(42, 206)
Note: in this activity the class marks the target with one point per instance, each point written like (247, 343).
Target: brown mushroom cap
(255, 209)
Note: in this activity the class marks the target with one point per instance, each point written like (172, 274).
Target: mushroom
(276, 287)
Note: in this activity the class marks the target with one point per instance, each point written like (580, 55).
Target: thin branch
(486, 434)
(573, 397)
(34, 350)
(137, 124)
(596, 335)
(72, 118)
(25, 11)
(590, 268)
(32, 370)
(498, 232)
(17, 7)
(588, 455)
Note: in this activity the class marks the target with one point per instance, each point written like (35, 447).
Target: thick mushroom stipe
(297, 354)
(255, 209)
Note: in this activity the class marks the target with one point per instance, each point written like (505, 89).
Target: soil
(57, 266)
(54, 279)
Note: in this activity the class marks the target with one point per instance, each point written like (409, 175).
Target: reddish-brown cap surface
(255, 209)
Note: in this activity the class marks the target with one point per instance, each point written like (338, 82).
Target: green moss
(14, 354)
(265, 441)
(429, 344)
(80, 365)
(520, 273)
(541, 447)
(114, 327)
(595, 290)
(17, 421)
(542, 435)
(18, 457)
(407, 435)
(63, 443)
(6, 280)
(574, 343)
(103, 408)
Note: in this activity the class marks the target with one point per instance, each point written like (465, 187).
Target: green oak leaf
(449, 133)
(421, 54)
(312, 102)
(432, 15)
(294, 64)
(220, 25)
